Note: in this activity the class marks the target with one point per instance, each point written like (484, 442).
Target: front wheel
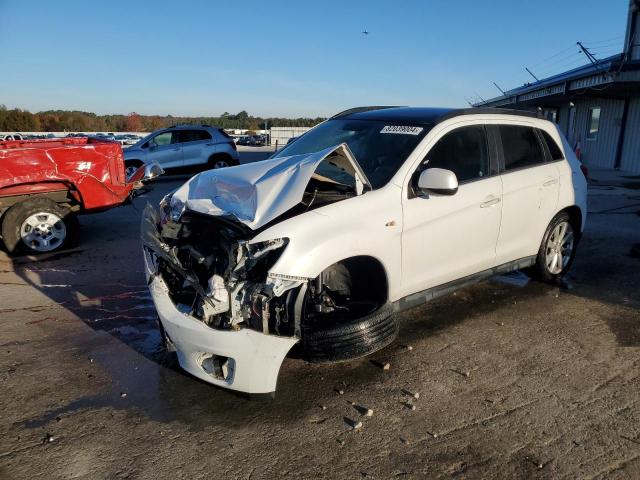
(557, 250)
(38, 225)
(221, 161)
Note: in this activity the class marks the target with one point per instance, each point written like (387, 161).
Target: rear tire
(38, 225)
(557, 250)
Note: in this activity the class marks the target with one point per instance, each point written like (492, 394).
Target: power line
(619, 37)
(553, 56)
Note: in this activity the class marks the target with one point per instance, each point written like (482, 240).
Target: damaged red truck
(45, 184)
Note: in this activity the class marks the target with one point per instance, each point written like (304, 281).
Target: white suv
(183, 146)
(371, 212)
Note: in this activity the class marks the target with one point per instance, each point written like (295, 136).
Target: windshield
(379, 147)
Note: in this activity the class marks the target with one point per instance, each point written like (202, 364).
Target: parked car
(183, 146)
(127, 139)
(11, 136)
(44, 184)
(372, 212)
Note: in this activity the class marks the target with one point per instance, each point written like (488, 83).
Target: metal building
(596, 105)
(282, 135)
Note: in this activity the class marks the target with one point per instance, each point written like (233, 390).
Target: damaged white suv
(371, 212)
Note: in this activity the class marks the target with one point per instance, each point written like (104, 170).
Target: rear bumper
(251, 359)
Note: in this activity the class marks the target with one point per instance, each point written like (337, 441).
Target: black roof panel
(421, 115)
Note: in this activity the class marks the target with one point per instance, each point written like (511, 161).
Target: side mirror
(439, 181)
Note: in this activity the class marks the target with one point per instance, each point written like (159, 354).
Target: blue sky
(277, 58)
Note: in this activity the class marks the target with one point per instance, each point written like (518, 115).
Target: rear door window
(192, 135)
(520, 146)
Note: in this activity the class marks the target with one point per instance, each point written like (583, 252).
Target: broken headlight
(255, 259)
(171, 208)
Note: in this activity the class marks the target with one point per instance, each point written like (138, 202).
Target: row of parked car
(252, 140)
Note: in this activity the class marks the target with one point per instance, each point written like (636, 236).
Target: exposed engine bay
(214, 273)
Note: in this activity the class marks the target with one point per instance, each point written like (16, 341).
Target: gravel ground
(515, 379)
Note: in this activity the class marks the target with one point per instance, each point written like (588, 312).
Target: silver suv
(183, 146)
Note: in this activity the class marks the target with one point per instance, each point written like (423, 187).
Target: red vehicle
(44, 184)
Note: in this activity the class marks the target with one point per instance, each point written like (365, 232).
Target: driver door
(165, 149)
(447, 237)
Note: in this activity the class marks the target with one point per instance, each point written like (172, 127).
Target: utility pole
(530, 73)
(501, 91)
(592, 59)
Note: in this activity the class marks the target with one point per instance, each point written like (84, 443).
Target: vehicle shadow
(102, 283)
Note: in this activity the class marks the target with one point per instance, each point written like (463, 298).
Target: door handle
(490, 202)
(548, 183)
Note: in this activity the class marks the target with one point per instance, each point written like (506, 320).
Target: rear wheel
(38, 225)
(557, 250)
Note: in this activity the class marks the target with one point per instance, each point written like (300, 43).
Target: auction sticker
(402, 129)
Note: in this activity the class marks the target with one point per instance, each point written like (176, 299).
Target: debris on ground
(415, 395)
(123, 395)
(48, 438)
(362, 410)
(381, 365)
(353, 424)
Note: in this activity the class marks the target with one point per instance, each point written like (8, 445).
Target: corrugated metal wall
(283, 134)
(563, 119)
(601, 151)
(630, 160)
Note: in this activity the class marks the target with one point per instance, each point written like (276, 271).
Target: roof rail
(190, 125)
(361, 109)
(491, 111)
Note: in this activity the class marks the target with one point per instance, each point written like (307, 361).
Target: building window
(594, 123)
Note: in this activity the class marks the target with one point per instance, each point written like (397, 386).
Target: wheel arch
(575, 217)
(366, 270)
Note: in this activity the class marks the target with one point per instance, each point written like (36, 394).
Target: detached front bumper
(244, 360)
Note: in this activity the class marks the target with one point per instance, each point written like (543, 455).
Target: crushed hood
(256, 193)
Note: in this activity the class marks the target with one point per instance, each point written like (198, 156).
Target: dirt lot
(515, 381)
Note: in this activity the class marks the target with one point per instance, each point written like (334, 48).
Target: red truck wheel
(38, 225)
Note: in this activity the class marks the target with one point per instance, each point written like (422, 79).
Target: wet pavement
(516, 379)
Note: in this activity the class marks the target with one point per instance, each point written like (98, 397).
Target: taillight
(585, 171)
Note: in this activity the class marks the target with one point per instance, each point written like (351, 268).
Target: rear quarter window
(554, 150)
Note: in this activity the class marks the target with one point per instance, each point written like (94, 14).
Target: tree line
(17, 120)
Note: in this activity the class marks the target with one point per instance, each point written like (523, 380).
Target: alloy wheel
(559, 248)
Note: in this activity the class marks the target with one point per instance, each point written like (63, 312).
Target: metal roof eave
(578, 78)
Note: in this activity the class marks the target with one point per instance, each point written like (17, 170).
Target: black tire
(540, 270)
(351, 339)
(130, 167)
(216, 161)
(15, 217)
